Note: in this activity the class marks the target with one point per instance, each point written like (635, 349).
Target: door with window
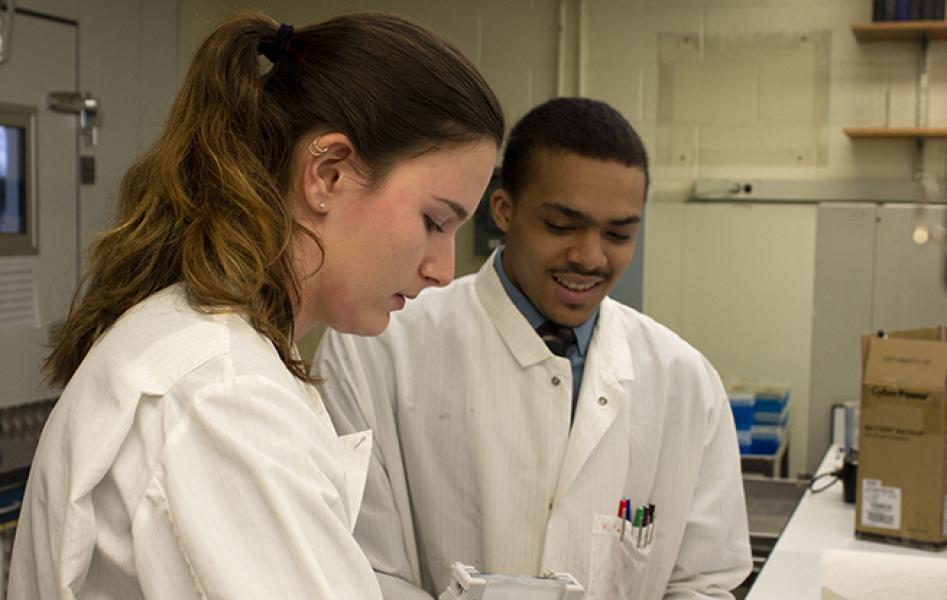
(38, 197)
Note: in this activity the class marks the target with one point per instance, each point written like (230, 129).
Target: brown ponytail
(206, 204)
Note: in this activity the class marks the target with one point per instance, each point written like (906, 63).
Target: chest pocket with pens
(619, 551)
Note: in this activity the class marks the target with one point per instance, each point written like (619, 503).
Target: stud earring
(315, 149)
(322, 205)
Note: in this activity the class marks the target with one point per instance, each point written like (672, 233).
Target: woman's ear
(327, 170)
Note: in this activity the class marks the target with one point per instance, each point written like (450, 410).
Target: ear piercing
(315, 149)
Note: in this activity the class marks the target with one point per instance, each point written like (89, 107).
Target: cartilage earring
(315, 149)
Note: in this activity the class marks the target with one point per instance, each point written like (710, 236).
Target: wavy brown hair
(206, 205)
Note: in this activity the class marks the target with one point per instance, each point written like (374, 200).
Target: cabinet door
(745, 288)
(842, 301)
(909, 283)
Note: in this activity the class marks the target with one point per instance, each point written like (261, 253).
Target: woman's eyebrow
(459, 210)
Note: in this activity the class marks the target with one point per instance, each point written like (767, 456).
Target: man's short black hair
(586, 127)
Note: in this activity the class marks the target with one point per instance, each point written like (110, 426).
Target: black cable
(835, 475)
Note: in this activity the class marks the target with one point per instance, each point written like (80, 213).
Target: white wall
(762, 90)
(128, 58)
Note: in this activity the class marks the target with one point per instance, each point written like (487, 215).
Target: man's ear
(501, 206)
(327, 170)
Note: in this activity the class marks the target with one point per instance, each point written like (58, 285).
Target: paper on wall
(19, 307)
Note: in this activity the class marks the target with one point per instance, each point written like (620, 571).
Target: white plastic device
(467, 583)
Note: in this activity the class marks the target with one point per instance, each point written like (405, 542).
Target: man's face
(571, 232)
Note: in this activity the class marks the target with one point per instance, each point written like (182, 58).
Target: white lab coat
(474, 459)
(183, 460)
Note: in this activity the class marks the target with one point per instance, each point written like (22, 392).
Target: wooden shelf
(900, 30)
(922, 31)
(895, 132)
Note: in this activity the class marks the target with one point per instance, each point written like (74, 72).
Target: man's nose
(588, 251)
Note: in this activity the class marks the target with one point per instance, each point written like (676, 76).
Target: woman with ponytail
(315, 175)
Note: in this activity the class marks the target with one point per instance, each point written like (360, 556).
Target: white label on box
(881, 505)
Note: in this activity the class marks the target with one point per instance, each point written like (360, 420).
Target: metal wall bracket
(84, 105)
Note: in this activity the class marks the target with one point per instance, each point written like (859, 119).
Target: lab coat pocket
(616, 562)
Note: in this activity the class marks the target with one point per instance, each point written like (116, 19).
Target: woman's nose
(438, 268)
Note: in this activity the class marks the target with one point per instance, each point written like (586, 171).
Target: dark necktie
(557, 337)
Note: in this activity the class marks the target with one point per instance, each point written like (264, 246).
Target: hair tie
(274, 51)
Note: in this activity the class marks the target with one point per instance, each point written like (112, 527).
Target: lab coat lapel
(602, 397)
(356, 451)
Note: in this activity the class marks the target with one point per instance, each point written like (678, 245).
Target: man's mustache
(580, 271)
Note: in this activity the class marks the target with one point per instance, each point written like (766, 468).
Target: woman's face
(383, 245)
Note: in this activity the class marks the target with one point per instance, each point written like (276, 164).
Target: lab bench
(820, 522)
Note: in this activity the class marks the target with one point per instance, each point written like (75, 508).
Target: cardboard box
(902, 469)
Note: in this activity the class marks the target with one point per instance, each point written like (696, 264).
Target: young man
(514, 409)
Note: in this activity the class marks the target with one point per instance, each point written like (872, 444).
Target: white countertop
(821, 521)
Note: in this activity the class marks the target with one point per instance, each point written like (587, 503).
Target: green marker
(639, 514)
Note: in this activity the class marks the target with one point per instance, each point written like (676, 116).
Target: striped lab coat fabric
(474, 459)
(184, 461)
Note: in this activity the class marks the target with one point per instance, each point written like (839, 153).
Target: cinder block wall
(718, 88)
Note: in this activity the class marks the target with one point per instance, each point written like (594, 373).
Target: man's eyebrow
(459, 210)
(586, 219)
(626, 221)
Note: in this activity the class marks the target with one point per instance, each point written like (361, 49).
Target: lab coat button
(555, 380)
(602, 400)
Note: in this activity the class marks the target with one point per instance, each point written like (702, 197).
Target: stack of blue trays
(770, 416)
(743, 405)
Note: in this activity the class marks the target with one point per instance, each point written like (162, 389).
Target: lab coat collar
(159, 365)
(516, 332)
(529, 349)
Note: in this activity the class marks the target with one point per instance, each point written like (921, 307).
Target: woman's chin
(365, 326)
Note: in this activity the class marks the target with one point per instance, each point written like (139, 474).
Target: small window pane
(12, 180)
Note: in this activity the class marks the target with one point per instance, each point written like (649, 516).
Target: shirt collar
(583, 332)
